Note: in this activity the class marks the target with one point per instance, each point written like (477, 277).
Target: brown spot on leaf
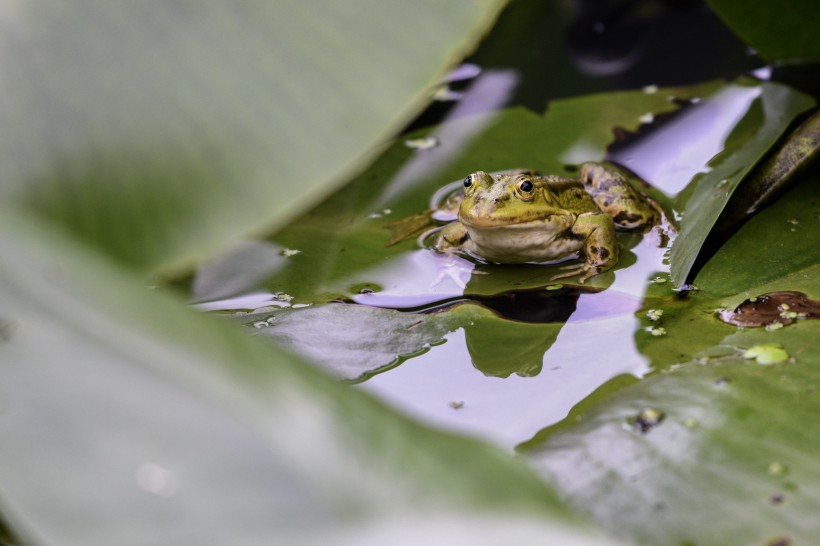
(775, 307)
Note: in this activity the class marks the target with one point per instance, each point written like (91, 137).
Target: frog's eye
(525, 185)
(468, 181)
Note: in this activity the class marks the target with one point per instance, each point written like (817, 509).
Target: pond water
(500, 352)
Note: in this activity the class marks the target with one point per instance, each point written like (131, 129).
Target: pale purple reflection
(242, 269)
(511, 410)
(595, 345)
(414, 279)
(675, 153)
(476, 109)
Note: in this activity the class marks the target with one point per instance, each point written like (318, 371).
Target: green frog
(521, 217)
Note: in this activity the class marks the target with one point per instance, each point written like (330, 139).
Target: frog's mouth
(524, 221)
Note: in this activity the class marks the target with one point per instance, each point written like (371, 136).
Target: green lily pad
(767, 118)
(736, 437)
(161, 133)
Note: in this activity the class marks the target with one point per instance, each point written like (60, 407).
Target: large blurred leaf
(162, 130)
(737, 438)
(128, 419)
(777, 30)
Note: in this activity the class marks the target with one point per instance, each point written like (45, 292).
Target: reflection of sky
(675, 153)
(595, 345)
(414, 279)
(510, 411)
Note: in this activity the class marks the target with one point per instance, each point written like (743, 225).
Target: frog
(519, 216)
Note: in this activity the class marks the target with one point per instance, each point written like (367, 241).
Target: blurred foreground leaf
(124, 411)
(161, 131)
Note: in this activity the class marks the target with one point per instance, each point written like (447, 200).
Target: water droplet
(776, 469)
(155, 479)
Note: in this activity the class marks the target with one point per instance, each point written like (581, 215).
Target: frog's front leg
(600, 246)
(453, 236)
(616, 197)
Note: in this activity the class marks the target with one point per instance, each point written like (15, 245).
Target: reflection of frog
(521, 217)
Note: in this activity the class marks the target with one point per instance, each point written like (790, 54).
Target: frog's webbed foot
(584, 271)
(452, 237)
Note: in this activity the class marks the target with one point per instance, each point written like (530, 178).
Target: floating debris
(457, 405)
(766, 353)
(654, 314)
(424, 143)
(650, 89)
(659, 280)
(290, 252)
(773, 310)
(446, 94)
(657, 331)
(648, 419)
(647, 118)
(690, 423)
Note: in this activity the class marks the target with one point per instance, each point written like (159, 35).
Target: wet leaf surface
(737, 439)
(738, 405)
(767, 118)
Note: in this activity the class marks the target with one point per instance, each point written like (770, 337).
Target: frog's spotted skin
(519, 217)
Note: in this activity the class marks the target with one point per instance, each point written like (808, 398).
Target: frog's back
(570, 194)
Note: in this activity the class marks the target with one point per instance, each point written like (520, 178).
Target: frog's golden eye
(468, 181)
(525, 186)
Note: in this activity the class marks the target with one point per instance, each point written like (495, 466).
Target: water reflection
(511, 410)
(531, 373)
(676, 152)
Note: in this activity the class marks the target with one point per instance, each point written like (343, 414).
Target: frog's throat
(525, 221)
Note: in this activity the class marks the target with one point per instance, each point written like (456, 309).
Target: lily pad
(767, 118)
(736, 437)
